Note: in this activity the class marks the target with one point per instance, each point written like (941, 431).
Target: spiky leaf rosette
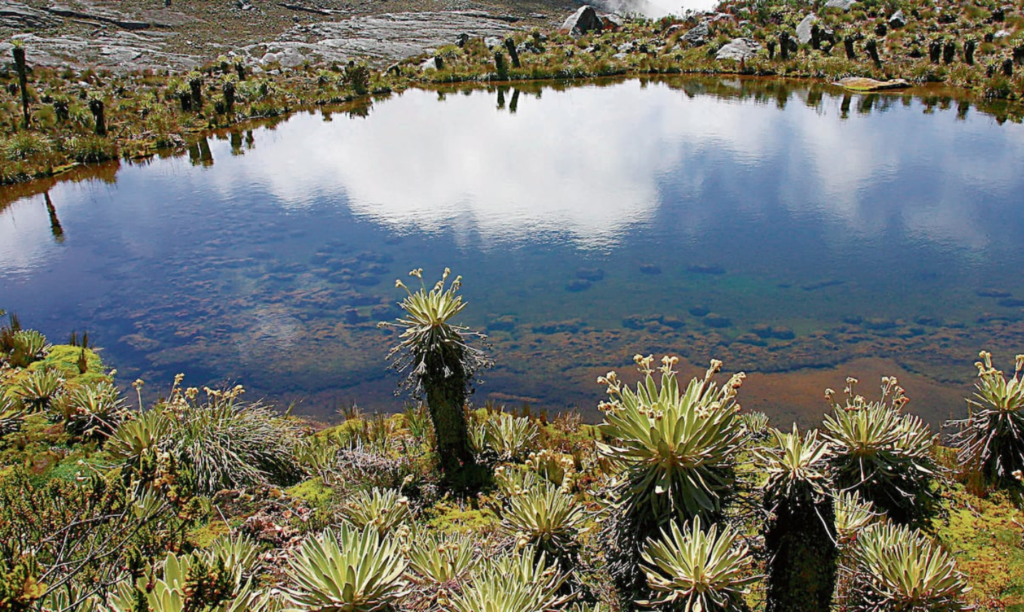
(510, 438)
(427, 332)
(382, 509)
(852, 516)
(991, 438)
(676, 446)
(900, 569)
(515, 582)
(880, 451)
(12, 416)
(546, 518)
(797, 466)
(439, 560)
(695, 570)
(91, 410)
(196, 582)
(347, 570)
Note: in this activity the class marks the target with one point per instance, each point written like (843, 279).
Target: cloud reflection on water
(591, 162)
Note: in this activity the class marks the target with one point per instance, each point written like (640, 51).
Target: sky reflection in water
(709, 218)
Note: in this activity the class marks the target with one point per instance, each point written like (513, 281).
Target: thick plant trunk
(446, 397)
(802, 573)
(22, 67)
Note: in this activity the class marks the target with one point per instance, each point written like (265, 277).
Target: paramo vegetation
(54, 119)
(678, 500)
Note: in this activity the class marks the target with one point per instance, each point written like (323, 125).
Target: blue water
(748, 221)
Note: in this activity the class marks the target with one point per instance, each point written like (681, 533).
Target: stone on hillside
(582, 21)
(696, 36)
(740, 49)
(1001, 34)
(840, 4)
(803, 31)
(897, 20)
(493, 41)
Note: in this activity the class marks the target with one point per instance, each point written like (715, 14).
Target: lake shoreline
(93, 115)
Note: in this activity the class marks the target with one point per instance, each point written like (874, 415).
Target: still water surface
(794, 232)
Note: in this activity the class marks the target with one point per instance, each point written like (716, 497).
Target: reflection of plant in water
(440, 364)
(991, 438)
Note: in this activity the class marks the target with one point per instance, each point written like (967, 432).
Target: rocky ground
(140, 34)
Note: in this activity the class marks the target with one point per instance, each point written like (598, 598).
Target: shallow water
(796, 233)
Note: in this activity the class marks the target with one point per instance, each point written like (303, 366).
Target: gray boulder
(840, 4)
(740, 49)
(582, 21)
(696, 36)
(897, 20)
(803, 30)
(493, 41)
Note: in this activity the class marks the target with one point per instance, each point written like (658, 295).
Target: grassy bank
(204, 500)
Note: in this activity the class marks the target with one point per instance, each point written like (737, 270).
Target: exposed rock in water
(865, 84)
(803, 30)
(582, 21)
(740, 49)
